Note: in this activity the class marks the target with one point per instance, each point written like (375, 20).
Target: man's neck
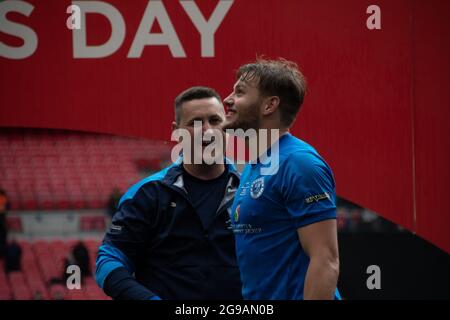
(270, 139)
(204, 171)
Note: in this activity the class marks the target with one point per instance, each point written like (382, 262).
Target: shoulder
(302, 161)
(303, 158)
(149, 184)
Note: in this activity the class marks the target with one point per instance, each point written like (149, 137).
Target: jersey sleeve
(308, 189)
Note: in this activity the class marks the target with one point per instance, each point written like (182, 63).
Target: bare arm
(319, 240)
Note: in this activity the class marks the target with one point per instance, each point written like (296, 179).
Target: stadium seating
(42, 264)
(55, 169)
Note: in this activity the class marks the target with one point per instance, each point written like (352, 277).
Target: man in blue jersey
(170, 237)
(283, 218)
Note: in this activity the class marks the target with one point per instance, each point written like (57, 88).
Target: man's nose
(228, 101)
(206, 126)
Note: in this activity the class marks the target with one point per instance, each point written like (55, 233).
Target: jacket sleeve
(124, 242)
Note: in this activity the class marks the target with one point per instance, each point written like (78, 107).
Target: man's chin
(229, 125)
(233, 125)
(239, 126)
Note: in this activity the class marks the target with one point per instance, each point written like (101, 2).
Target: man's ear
(174, 126)
(271, 105)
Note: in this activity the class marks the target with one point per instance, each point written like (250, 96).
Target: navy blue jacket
(157, 235)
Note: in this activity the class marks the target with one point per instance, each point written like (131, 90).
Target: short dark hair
(281, 78)
(193, 93)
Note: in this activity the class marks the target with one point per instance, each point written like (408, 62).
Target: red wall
(377, 106)
(431, 106)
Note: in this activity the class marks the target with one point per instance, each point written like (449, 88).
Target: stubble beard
(245, 120)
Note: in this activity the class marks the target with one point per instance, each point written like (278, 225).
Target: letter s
(29, 37)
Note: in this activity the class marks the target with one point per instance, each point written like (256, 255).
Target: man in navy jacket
(170, 237)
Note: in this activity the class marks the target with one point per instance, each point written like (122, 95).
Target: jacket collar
(174, 176)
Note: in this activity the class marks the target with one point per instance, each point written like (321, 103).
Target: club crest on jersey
(237, 213)
(257, 188)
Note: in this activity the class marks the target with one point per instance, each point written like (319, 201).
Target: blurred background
(59, 190)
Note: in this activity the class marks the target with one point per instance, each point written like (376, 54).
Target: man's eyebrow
(195, 118)
(240, 85)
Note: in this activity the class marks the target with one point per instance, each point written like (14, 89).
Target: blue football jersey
(269, 207)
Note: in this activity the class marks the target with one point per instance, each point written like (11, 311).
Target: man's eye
(194, 122)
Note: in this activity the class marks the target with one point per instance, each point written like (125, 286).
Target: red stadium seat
(14, 224)
(52, 169)
(30, 205)
(57, 292)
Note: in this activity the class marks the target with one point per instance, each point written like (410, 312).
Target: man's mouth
(230, 112)
(206, 142)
